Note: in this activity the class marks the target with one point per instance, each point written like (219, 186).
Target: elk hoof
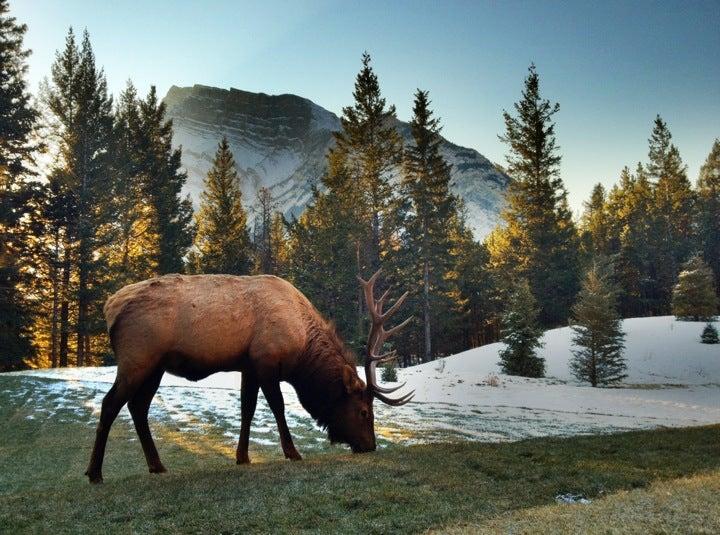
(94, 478)
(243, 460)
(159, 469)
(293, 456)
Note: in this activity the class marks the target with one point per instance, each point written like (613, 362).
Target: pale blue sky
(611, 65)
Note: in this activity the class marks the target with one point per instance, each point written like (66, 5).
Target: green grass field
(665, 481)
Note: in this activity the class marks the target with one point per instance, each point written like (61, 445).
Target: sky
(612, 65)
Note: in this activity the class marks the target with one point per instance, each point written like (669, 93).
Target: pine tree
(521, 335)
(598, 336)
(539, 239)
(694, 295)
(82, 111)
(17, 121)
(370, 147)
(349, 227)
(163, 182)
(135, 252)
(708, 193)
(632, 233)
(710, 335)
(431, 214)
(222, 237)
(595, 224)
(673, 209)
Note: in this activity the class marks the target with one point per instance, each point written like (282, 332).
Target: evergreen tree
(322, 262)
(135, 251)
(595, 224)
(598, 336)
(269, 236)
(428, 226)
(521, 335)
(349, 227)
(710, 335)
(708, 193)
(17, 121)
(82, 111)
(222, 237)
(673, 209)
(163, 182)
(631, 241)
(370, 147)
(539, 239)
(694, 295)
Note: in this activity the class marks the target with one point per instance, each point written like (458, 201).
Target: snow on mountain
(280, 142)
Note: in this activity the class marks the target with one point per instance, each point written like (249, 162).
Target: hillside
(280, 142)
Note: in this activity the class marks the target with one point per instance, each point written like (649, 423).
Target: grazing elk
(262, 326)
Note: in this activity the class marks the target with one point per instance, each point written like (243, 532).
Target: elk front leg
(274, 397)
(248, 400)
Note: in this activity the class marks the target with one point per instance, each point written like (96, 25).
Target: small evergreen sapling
(710, 335)
(694, 295)
(521, 335)
(599, 339)
(389, 373)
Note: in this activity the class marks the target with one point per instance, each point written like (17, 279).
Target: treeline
(108, 211)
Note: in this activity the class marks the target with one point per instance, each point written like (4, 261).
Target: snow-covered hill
(659, 351)
(674, 380)
(280, 142)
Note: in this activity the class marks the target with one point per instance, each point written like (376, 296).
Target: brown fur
(193, 326)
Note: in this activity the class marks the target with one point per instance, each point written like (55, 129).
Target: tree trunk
(426, 310)
(55, 301)
(65, 308)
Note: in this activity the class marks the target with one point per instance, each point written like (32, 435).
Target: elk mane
(319, 378)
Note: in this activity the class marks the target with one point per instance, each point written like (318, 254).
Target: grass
(661, 481)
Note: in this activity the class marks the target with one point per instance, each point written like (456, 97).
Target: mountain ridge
(280, 142)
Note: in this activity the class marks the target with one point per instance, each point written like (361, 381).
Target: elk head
(357, 425)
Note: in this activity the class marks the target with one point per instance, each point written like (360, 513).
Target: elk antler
(377, 337)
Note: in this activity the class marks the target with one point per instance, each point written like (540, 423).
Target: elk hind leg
(139, 406)
(114, 400)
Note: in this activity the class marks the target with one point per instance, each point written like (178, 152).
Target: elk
(262, 326)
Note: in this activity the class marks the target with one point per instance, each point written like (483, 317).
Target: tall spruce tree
(595, 224)
(163, 181)
(433, 210)
(370, 147)
(521, 334)
(598, 336)
(82, 115)
(539, 239)
(357, 189)
(673, 209)
(17, 121)
(135, 250)
(694, 296)
(708, 212)
(222, 238)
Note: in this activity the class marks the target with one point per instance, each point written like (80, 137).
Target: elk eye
(363, 413)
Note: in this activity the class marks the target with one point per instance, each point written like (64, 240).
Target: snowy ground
(674, 380)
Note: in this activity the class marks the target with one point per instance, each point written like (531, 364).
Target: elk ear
(351, 381)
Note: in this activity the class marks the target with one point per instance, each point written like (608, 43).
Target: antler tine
(395, 402)
(394, 308)
(378, 336)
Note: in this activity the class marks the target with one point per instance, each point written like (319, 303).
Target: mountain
(280, 142)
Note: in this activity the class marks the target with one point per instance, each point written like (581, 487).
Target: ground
(476, 451)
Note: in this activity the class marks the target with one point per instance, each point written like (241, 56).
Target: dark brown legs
(111, 405)
(138, 400)
(139, 406)
(274, 397)
(248, 401)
